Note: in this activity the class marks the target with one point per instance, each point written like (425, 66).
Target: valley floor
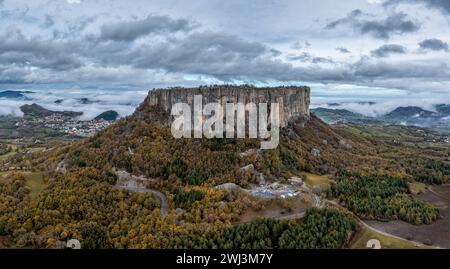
(436, 234)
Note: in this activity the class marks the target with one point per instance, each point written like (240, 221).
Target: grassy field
(387, 242)
(7, 155)
(317, 181)
(38, 149)
(417, 187)
(34, 180)
(36, 183)
(14, 151)
(403, 134)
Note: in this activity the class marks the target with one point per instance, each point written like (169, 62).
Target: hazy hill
(36, 110)
(404, 113)
(109, 115)
(444, 110)
(13, 94)
(337, 115)
(409, 116)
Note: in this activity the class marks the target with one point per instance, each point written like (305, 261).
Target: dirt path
(390, 235)
(295, 216)
(439, 195)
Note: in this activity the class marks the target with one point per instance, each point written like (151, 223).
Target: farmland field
(387, 242)
(436, 234)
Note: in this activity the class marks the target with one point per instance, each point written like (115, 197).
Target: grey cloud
(132, 30)
(49, 22)
(434, 44)
(308, 57)
(350, 18)
(74, 28)
(275, 52)
(82, 56)
(12, 75)
(209, 53)
(218, 55)
(18, 50)
(303, 57)
(343, 50)
(317, 60)
(379, 71)
(301, 45)
(225, 57)
(442, 5)
(79, 26)
(394, 23)
(387, 50)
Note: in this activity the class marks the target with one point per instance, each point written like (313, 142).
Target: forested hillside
(81, 199)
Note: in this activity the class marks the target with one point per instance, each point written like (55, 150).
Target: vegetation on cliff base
(320, 229)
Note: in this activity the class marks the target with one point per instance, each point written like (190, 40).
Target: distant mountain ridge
(443, 109)
(36, 110)
(402, 113)
(83, 101)
(408, 115)
(14, 94)
(332, 115)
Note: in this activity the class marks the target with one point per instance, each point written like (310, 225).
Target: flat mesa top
(227, 88)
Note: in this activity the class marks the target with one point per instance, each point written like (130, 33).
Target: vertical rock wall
(294, 101)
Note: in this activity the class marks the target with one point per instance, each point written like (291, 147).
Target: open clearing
(417, 187)
(34, 180)
(436, 234)
(277, 209)
(387, 242)
(7, 155)
(313, 180)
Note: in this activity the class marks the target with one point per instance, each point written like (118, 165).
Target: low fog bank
(375, 107)
(91, 103)
(94, 102)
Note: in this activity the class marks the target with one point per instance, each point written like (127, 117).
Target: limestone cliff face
(294, 101)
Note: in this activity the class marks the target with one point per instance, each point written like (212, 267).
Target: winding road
(123, 183)
(161, 197)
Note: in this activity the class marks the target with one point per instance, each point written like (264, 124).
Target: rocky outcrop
(294, 101)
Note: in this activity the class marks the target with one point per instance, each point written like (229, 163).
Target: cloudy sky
(340, 48)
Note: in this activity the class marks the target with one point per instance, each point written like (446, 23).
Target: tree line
(381, 197)
(320, 229)
(429, 171)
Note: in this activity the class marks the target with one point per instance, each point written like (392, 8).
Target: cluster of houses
(68, 125)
